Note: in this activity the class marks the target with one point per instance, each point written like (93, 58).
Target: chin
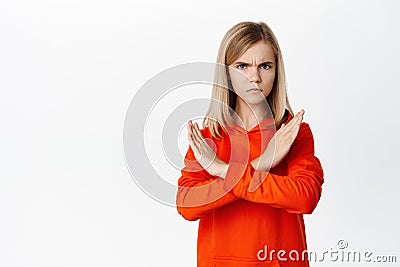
(256, 100)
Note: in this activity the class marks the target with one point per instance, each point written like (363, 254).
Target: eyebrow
(240, 62)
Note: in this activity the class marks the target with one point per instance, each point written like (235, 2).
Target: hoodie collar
(268, 123)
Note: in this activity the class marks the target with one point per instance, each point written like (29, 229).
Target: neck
(251, 115)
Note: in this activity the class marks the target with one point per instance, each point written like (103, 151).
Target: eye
(265, 66)
(241, 66)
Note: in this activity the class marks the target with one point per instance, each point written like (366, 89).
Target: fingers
(298, 117)
(296, 120)
(293, 126)
(203, 152)
(192, 140)
(195, 134)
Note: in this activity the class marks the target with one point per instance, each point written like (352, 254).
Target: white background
(69, 69)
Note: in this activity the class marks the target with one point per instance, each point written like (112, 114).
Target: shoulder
(305, 129)
(304, 140)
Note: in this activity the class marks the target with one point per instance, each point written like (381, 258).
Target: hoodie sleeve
(199, 192)
(298, 192)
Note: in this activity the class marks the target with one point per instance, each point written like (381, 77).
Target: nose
(254, 76)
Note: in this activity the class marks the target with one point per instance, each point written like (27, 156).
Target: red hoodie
(242, 228)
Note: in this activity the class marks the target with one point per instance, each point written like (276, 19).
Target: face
(252, 75)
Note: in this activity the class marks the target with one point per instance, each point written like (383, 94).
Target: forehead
(260, 51)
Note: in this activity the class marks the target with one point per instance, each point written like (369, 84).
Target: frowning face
(252, 74)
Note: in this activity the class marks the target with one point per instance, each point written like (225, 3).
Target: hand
(283, 140)
(203, 153)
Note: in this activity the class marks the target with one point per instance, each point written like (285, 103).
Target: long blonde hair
(234, 44)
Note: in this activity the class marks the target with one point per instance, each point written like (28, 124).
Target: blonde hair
(234, 44)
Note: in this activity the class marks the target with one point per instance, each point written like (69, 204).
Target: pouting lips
(254, 90)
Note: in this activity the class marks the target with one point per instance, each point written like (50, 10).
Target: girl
(250, 185)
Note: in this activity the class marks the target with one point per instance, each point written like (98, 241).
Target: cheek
(238, 81)
(268, 78)
(268, 81)
(236, 75)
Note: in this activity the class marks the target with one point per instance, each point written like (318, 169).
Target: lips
(254, 90)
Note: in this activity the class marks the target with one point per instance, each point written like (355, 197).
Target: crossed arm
(299, 191)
